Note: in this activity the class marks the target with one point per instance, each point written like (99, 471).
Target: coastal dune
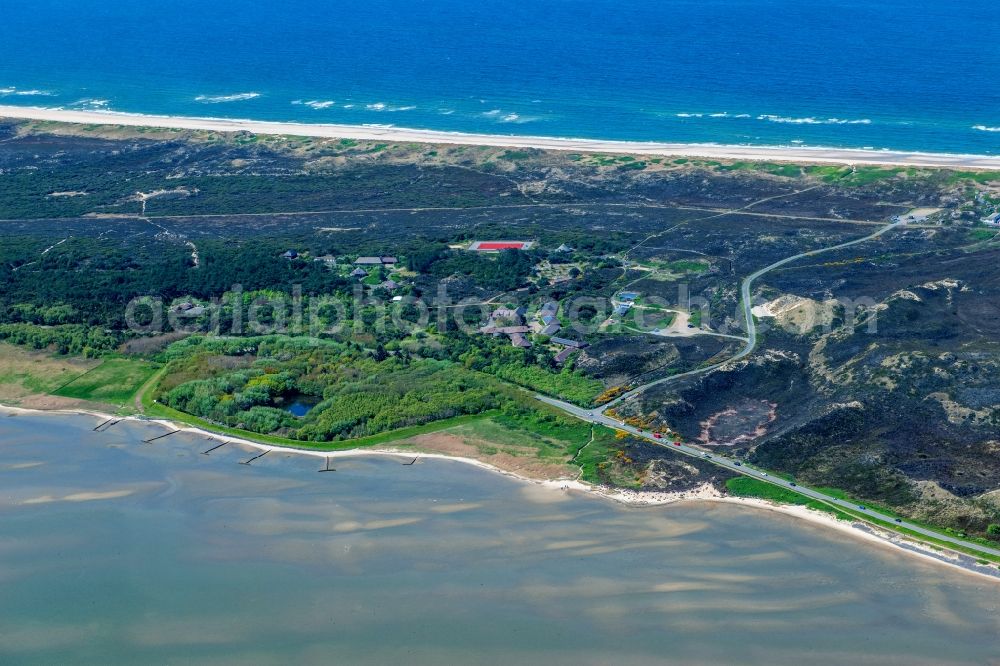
(796, 154)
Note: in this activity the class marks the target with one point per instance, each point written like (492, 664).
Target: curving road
(747, 470)
(598, 416)
(751, 325)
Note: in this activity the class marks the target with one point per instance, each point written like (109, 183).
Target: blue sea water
(901, 74)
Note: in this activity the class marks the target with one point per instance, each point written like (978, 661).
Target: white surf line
(797, 154)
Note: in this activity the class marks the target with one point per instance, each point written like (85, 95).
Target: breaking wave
(501, 116)
(91, 103)
(984, 128)
(777, 119)
(222, 99)
(315, 103)
(25, 93)
(720, 114)
(813, 121)
(382, 106)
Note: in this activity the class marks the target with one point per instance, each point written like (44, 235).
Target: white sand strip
(799, 155)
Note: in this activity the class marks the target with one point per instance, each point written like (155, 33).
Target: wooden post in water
(205, 453)
(153, 439)
(247, 462)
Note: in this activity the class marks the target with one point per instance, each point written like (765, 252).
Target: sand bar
(398, 134)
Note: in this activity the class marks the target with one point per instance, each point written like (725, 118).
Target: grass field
(747, 487)
(25, 371)
(114, 381)
(744, 486)
(500, 437)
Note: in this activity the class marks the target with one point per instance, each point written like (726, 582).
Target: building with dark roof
(561, 357)
(507, 313)
(518, 340)
(548, 309)
(375, 261)
(551, 329)
(575, 344)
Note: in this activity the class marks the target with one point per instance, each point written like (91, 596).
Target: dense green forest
(248, 383)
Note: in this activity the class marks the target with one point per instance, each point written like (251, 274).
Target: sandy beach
(798, 155)
(705, 493)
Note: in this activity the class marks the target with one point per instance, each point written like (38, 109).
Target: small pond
(300, 405)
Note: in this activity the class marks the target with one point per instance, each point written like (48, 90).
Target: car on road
(677, 443)
(738, 464)
(763, 473)
(862, 507)
(706, 456)
(899, 520)
(657, 435)
(791, 483)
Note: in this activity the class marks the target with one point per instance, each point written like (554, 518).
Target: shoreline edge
(793, 154)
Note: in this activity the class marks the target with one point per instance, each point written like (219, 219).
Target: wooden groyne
(219, 446)
(153, 439)
(261, 455)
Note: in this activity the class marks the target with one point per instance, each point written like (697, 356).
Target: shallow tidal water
(113, 551)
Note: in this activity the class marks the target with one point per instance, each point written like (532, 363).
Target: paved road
(747, 470)
(751, 326)
(598, 415)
